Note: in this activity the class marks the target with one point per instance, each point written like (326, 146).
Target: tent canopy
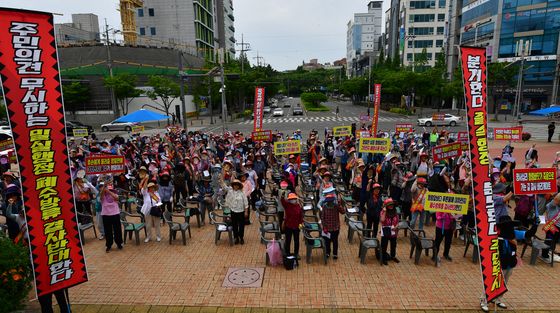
(546, 111)
(142, 115)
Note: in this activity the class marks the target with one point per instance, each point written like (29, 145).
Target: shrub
(247, 113)
(15, 274)
(316, 108)
(402, 111)
(525, 136)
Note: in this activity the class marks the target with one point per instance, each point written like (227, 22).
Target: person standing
(110, 213)
(337, 111)
(389, 223)
(445, 226)
(551, 129)
(237, 202)
(151, 199)
(293, 218)
(330, 210)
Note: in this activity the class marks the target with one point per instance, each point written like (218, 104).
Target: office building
(392, 33)
(84, 28)
(225, 31)
(362, 38)
(184, 24)
(422, 29)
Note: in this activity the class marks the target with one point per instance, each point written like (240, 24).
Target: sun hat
(151, 184)
(292, 196)
(235, 181)
(388, 202)
(376, 186)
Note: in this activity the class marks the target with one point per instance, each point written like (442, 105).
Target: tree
(165, 89)
(500, 75)
(75, 94)
(314, 98)
(124, 87)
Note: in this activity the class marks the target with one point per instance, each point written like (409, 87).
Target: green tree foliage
(313, 98)
(75, 95)
(165, 89)
(124, 87)
(15, 274)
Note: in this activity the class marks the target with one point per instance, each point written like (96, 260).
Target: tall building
(423, 26)
(225, 31)
(392, 33)
(362, 37)
(184, 24)
(503, 27)
(84, 28)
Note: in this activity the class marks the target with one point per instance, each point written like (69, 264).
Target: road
(349, 114)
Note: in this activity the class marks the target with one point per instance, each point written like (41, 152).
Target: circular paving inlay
(244, 276)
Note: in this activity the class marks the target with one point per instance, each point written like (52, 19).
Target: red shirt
(293, 214)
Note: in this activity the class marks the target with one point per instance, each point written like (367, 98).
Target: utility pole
(258, 59)
(245, 46)
(523, 49)
(182, 90)
(114, 106)
(554, 99)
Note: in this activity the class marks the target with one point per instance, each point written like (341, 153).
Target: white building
(362, 36)
(424, 23)
(185, 24)
(84, 28)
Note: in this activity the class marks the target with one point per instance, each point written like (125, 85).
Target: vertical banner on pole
(473, 62)
(258, 109)
(31, 86)
(376, 105)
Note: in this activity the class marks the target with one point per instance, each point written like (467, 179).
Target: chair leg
(189, 228)
(363, 256)
(171, 233)
(94, 231)
(411, 251)
(217, 237)
(137, 237)
(230, 235)
(466, 249)
(417, 255)
(198, 220)
(125, 235)
(184, 236)
(83, 237)
(325, 255)
(534, 254)
(308, 255)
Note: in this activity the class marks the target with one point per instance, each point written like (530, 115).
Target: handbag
(155, 210)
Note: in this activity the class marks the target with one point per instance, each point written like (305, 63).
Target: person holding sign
(330, 210)
(110, 213)
(237, 202)
(152, 203)
(418, 191)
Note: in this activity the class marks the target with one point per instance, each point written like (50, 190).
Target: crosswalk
(319, 119)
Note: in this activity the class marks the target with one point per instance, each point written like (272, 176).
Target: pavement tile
(107, 309)
(191, 309)
(158, 309)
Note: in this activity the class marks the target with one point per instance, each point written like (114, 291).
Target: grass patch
(315, 108)
(400, 111)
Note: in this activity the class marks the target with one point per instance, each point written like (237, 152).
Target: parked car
(114, 125)
(267, 109)
(449, 119)
(278, 112)
(274, 105)
(70, 125)
(287, 104)
(297, 111)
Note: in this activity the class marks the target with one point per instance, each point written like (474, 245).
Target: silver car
(114, 125)
(449, 119)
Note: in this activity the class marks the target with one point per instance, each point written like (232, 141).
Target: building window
(140, 12)
(142, 31)
(429, 4)
(439, 43)
(441, 17)
(440, 30)
(421, 44)
(151, 12)
(152, 31)
(421, 31)
(409, 57)
(441, 4)
(418, 18)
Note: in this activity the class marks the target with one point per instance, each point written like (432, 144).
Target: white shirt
(236, 200)
(149, 202)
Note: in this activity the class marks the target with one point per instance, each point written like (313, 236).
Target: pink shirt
(109, 206)
(445, 220)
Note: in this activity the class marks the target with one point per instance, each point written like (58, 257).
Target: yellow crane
(128, 20)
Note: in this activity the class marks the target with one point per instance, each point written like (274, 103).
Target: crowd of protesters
(163, 171)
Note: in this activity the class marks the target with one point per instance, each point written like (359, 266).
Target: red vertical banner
(258, 109)
(376, 105)
(473, 62)
(31, 87)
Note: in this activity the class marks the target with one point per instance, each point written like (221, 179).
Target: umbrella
(142, 115)
(546, 111)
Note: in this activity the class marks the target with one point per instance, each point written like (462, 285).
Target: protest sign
(364, 118)
(508, 133)
(105, 164)
(32, 92)
(374, 145)
(438, 116)
(446, 202)
(376, 108)
(258, 109)
(529, 181)
(473, 65)
(137, 128)
(342, 131)
(80, 132)
(262, 135)
(447, 151)
(403, 128)
(287, 147)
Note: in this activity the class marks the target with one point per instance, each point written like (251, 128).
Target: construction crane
(128, 20)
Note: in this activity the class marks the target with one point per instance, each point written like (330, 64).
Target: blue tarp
(142, 115)
(546, 111)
